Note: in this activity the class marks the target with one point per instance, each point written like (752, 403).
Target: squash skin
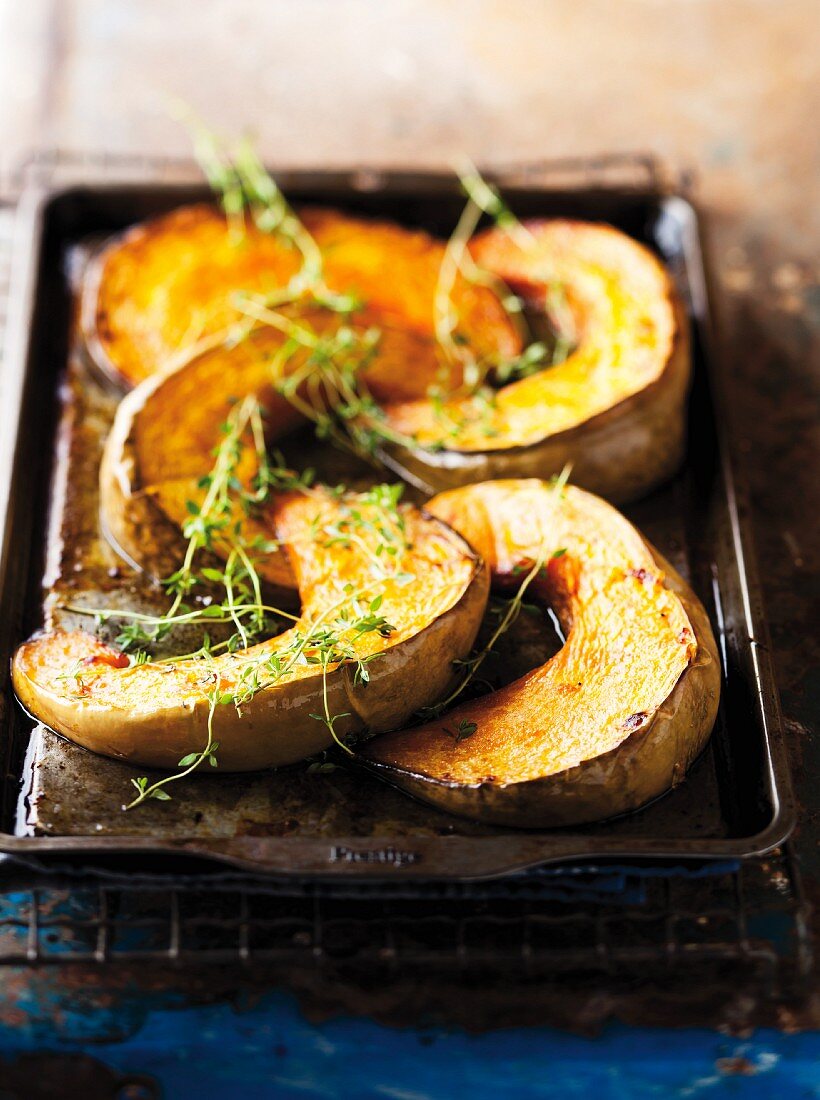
(153, 715)
(620, 452)
(643, 765)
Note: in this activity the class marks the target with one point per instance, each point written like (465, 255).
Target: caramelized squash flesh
(155, 714)
(172, 282)
(615, 717)
(349, 557)
(614, 408)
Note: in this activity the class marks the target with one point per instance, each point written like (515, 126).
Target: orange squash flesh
(154, 714)
(612, 720)
(169, 282)
(161, 444)
(614, 409)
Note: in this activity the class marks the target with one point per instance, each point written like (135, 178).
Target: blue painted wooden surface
(272, 1050)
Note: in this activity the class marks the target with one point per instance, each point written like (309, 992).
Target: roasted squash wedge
(614, 409)
(170, 282)
(162, 442)
(163, 437)
(155, 714)
(615, 718)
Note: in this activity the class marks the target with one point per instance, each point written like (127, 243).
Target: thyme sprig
(455, 346)
(272, 214)
(472, 664)
(382, 518)
(212, 525)
(337, 400)
(488, 199)
(246, 189)
(536, 356)
(329, 387)
(327, 641)
(372, 523)
(464, 730)
(479, 376)
(188, 764)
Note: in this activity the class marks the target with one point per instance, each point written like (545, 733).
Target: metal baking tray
(60, 803)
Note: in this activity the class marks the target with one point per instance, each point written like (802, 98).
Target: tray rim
(372, 858)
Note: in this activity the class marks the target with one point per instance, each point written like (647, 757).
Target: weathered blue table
(270, 1049)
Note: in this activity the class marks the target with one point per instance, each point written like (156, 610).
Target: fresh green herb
(75, 673)
(531, 360)
(322, 767)
(216, 167)
(372, 523)
(475, 372)
(487, 199)
(187, 764)
(462, 731)
(272, 214)
(244, 187)
(523, 567)
(328, 641)
(377, 514)
(562, 321)
(328, 387)
(472, 664)
(212, 525)
(456, 348)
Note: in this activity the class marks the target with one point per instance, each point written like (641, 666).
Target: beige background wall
(728, 85)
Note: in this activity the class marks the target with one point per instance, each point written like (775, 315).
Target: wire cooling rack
(753, 917)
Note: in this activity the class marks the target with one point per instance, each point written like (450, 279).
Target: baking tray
(58, 802)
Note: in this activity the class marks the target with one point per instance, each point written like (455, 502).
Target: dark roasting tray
(60, 803)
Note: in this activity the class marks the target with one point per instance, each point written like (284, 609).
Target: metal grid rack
(754, 917)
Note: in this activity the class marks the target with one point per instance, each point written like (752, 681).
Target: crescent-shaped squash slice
(614, 409)
(165, 430)
(615, 718)
(273, 696)
(162, 443)
(170, 282)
